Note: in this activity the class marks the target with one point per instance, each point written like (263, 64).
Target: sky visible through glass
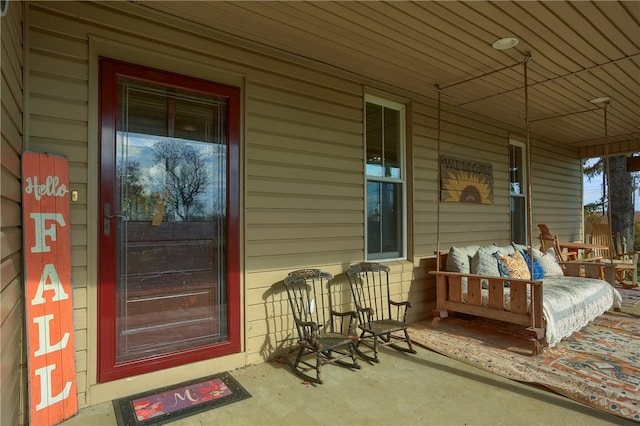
(592, 191)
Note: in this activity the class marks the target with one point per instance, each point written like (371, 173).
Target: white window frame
(402, 180)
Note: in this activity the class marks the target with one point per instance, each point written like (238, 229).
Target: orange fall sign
(49, 304)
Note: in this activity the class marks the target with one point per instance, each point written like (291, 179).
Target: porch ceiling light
(604, 100)
(505, 43)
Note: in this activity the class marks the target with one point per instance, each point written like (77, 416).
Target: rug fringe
(538, 348)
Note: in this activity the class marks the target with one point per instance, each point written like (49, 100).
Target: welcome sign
(465, 181)
(48, 300)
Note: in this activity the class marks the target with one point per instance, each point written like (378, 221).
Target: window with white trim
(385, 179)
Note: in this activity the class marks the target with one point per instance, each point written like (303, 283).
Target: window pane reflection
(384, 219)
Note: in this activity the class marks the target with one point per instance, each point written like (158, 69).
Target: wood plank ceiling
(579, 50)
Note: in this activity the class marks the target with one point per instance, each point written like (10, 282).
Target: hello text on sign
(49, 304)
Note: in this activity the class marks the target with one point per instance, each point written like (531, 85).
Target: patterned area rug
(165, 405)
(630, 296)
(598, 366)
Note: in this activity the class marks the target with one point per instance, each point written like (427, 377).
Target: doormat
(164, 405)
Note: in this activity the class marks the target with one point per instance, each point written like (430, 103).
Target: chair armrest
(353, 314)
(630, 254)
(401, 314)
(313, 325)
(405, 303)
(586, 260)
(366, 310)
(350, 322)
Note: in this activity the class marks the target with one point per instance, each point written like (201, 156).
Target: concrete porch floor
(403, 389)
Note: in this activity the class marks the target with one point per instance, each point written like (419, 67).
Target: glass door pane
(170, 227)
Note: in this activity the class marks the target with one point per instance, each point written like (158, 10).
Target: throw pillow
(517, 266)
(458, 260)
(483, 262)
(549, 263)
(504, 271)
(537, 273)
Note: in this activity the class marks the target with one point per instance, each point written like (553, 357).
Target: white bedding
(570, 303)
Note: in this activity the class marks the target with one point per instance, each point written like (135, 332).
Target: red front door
(168, 225)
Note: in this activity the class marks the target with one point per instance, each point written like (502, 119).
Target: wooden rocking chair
(380, 318)
(322, 331)
(618, 265)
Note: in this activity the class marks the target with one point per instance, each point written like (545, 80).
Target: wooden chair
(619, 265)
(601, 234)
(380, 319)
(551, 241)
(329, 335)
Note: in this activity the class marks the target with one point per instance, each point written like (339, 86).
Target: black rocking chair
(380, 318)
(322, 331)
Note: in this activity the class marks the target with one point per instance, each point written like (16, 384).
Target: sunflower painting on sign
(465, 181)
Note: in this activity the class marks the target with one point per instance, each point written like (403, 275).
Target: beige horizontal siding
(10, 186)
(69, 89)
(557, 196)
(304, 180)
(13, 381)
(10, 157)
(461, 136)
(10, 241)
(12, 358)
(302, 148)
(555, 200)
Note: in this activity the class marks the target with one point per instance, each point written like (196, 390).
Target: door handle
(108, 216)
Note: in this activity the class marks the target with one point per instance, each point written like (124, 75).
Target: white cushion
(549, 262)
